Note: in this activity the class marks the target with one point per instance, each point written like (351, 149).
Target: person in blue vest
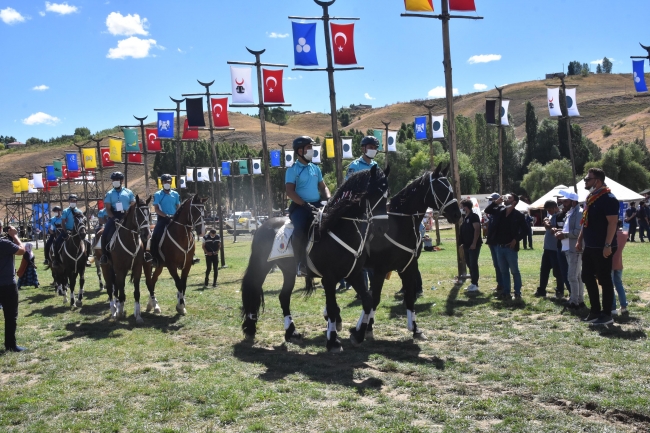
(67, 222)
(165, 203)
(369, 146)
(304, 185)
(52, 227)
(117, 202)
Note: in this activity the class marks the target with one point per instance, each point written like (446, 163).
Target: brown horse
(176, 247)
(127, 255)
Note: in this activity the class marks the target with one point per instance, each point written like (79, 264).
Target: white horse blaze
(410, 319)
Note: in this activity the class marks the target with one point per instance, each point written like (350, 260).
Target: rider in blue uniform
(304, 185)
(369, 146)
(117, 202)
(52, 227)
(67, 222)
(165, 202)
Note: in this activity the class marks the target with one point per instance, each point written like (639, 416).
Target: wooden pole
(179, 143)
(500, 90)
(386, 128)
(145, 152)
(284, 170)
(436, 217)
(254, 212)
(568, 126)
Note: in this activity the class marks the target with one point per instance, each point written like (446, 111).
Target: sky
(96, 63)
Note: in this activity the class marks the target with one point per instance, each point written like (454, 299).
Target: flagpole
(254, 213)
(500, 126)
(284, 191)
(565, 115)
(85, 184)
(177, 139)
(101, 159)
(145, 151)
(386, 125)
(429, 108)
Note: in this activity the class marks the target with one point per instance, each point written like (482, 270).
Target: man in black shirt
(211, 246)
(599, 223)
(630, 218)
(644, 223)
(9, 247)
(491, 241)
(509, 229)
(470, 233)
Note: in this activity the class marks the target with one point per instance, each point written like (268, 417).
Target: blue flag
(51, 175)
(421, 128)
(304, 44)
(225, 168)
(275, 158)
(72, 162)
(165, 125)
(639, 76)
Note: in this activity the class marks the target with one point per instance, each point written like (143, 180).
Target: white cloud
(11, 16)
(600, 62)
(181, 51)
(60, 8)
(131, 47)
(40, 88)
(292, 78)
(277, 35)
(126, 25)
(367, 96)
(41, 13)
(41, 118)
(484, 58)
(440, 92)
(480, 87)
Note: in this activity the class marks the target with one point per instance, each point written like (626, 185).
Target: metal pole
(500, 90)
(386, 126)
(145, 152)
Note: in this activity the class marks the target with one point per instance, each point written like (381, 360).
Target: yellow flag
(115, 150)
(173, 182)
(16, 186)
(90, 158)
(419, 5)
(24, 184)
(159, 184)
(329, 145)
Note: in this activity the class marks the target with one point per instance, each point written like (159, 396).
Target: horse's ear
(445, 172)
(373, 171)
(436, 172)
(387, 171)
(148, 200)
(203, 200)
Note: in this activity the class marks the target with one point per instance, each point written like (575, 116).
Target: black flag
(489, 112)
(194, 108)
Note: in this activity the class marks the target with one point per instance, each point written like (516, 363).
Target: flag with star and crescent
(220, 112)
(153, 144)
(343, 44)
(242, 86)
(273, 91)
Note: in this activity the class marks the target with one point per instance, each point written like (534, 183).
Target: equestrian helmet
(72, 197)
(301, 142)
(166, 178)
(369, 140)
(56, 209)
(117, 175)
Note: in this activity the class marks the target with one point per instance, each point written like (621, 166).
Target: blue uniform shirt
(101, 213)
(167, 202)
(123, 196)
(306, 178)
(69, 217)
(54, 221)
(358, 165)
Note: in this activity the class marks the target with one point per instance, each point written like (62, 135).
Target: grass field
(487, 366)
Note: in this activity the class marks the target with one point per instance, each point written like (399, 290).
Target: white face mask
(592, 189)
(167, 186)
(309, 154)
(116, 184)
(73, 205)
(371, 153)
(508, 206)
(462, 211)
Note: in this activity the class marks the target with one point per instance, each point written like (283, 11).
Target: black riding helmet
(301, 142)
(369, 140)
(72, 197)
(56, 209)
(117, 175)
(166, 178)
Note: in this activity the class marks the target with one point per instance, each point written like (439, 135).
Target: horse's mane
(349, 194)
(178, 212)
(405, 196)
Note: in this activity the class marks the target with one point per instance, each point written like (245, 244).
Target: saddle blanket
(282, 247)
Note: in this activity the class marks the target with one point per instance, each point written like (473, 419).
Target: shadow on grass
(399, 310)
(103, 329)
(613, 331)
(50, 310)
(41, 297)
(471, 300)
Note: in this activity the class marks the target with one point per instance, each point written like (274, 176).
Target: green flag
(379, 135)
(58, 168)
(131, 139)
(243, 167)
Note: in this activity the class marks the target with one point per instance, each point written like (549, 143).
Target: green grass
(487, 366)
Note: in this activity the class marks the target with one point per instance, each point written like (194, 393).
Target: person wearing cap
(10, 246)
(549, 256)
(599, 222)
(528, 237)
(53, 225)
(369, 146)
(211, 246)
(116, 202)
(491, 240)
(67, 222)
(630, 218)
(165, 203)
(568, 236)
(304, 186)
(643, 215)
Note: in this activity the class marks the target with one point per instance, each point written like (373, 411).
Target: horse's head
(80, 225)
(376, 199)
(142, 216)
(440, 196)
(196, 210)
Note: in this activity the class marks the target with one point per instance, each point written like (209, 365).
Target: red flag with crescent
(136, 158)
(153, 144)
(343, 44)
(190, 134)
(273, 91)
(106, 157)
(462, 5)
(220, 112)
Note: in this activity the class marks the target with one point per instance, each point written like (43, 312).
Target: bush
(607, 131)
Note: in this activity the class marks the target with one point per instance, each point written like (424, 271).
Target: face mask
(167, 186)
(462, 211)
(116, 184)
(73, 205)
(309, 154)
(371, 153)
(508, 206)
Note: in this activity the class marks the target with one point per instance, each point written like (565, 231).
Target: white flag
(572, 103)
(554, 102)
(288, 158)
(203, 174)
(183, 182)
(316, 158)
(504, 113)
(346, 143)
(216, 175)
(242, 86)
(437, 126)
(30, 188)
(189, 174)
(257, 166)
(392, 141)
(38, 180)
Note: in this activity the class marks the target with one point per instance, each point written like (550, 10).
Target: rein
(144, 210)
(81, 248)
(187, 229)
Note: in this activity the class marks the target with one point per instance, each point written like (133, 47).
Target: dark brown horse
(73, 255)
(176, 247)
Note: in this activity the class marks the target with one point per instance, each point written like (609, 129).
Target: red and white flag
(462, 5)
(106, 157)
(343, 44)
(153, 144)
(189, 134)
(135, 158)
(273, 91)
(220, 112)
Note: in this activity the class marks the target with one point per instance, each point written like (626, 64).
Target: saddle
(282, 245)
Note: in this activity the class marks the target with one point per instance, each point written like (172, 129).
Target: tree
(623, 163)
(599, 69)
(532, 124)
(575, 68)
(543, 177)
(546, 148)
(33, 140)
(469, 183)
(585, 69)
(82, 132)
(7, 139)
(279, 116)
(344, 117)
(607, 66)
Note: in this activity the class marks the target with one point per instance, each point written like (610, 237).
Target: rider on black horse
(52, 228)
(304, 185)
(116, 203)
(165, 202)
(67, 222)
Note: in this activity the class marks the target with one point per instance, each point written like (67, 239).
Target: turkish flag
(100, 204)
(190, 134)
(106, 157)
(220, 112)
(343, 44)
(153, 144)
(64, 171)
(462, 5)
(273, 85)
(135, 158)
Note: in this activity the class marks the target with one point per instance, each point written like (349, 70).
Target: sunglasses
(587, 179)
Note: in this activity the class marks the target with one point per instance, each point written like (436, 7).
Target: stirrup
(301, 270)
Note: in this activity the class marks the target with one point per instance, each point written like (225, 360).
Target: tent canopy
(622, 193)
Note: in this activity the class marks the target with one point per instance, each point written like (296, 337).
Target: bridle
(187, 228)
(79, 226)
(144, 211)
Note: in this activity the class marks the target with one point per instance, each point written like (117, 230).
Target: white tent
(622, 193)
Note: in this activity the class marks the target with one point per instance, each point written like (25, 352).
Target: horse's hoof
(79, 304)
(139, 321)
(339, 326)
(249, 337)
(370, 335)
(156, 310)
(354, 341)
(419, 335)
(335, 348)
(181, 310)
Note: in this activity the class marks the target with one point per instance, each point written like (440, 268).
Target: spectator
(599, 223)
(630, 218)
(568, 237)
(211, 246)
(549, 256)
(428, 243)
(617, 272)
(643, 215)
(561, 259)
(470, 233)
(10, 247)
(509, 229)
(528, 238)
(491, 241)
(27, 276)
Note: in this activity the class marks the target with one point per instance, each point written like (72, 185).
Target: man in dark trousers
(630, 218)
(211, 246)
(491, 241)
(599, 223)
(10, 246)
(549, 256)
(644, 221)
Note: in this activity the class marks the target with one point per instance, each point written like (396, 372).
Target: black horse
(339, 253)
(399, 249)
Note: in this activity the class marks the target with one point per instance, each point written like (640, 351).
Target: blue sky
(94, 63)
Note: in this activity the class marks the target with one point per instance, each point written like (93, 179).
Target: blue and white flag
(639, 76)
(304, 44)
(72, 162)
(165, 125)
(276, 157)
(51, 174)
(421, 128)
(225, 168)
(437, 126)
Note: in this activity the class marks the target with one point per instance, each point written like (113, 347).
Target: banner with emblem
(115, 147)
(419, 5)
(346, 145)
(189, 174)
(90, 158)
(329, 147)
(58, 168)
(243, 166)
(316, 158)
(203, 174)
(553, 96)
(106, 157)
(639, 76)
(437, 126)
(30, 187)
(216, 175)
(165, 125)
(72, 161)
(225, 168)
(379, 135)
(15, 184)
(572, 103)
(343, 44)
(183, 182)
(504, 113)
(242, 86)
(288, 158)
(38, 180)
(276, 156)
(134, 158)
(462, 5)
(392, 141)
(220, 112)
(421, 128)
(131, 140)
(257, 166)
(272, 81)
(24, 184)
(50, 173)
(189, 134)
(153, 144)
(304, 44)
